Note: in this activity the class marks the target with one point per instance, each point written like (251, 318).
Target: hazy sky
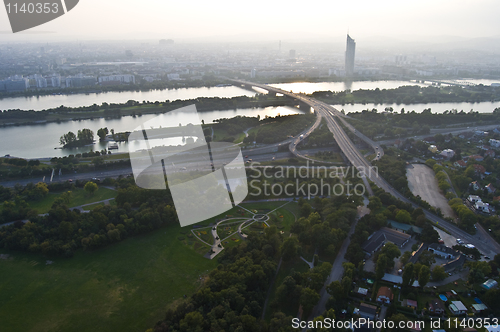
(133, 19)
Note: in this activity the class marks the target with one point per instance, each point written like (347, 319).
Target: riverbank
(135, 108)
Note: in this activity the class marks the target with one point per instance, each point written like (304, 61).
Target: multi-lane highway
(482, 240)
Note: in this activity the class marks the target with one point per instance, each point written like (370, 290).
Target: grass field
(79, 197)
(124, 287)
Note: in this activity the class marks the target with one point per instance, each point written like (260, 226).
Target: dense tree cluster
(411, 95)
(233, 296)
(133, 107)
(62, 231)
(70, 140)
(283, 127)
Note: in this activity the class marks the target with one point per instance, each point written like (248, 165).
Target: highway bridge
(482, 240)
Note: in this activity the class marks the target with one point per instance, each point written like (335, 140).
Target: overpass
(484, 242)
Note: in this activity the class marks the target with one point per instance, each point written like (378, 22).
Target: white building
(173, 76)
(442, 251)
(495, 143)
(448, 153)
(483, 207)
(474, 198)
(41, 82)
(118, 78)
(457, 308)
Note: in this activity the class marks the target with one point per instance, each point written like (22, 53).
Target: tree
(40, 191)
(86, 136)
(429, 234)
(308, 298)
(381, 266)
(426, 258)
(403, 216)
(289, 248)
(68, 138)
(102, 133)
(90, 187)
(405, 257)
(438, 273)
(391, 251)
(408, 275)
(336, 290)
(192, 322)
(424, 276)
(375, 203)
(430, 162)
(478, 271)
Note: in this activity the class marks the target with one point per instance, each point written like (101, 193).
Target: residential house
(479, 168)
(448, 153)
(477, 308)
(475, 186)
(476, 157)
(367, 311)
(457, 308)
(474, 198)
(490, 188)
(410, 304)
(361, 292)
(465, 135)
(495, 143)
(385, 295)
(482, 207)
(489, 153)
(460, 163)
(433, 149)
(443, 251)
(382, 236)
(436, 307)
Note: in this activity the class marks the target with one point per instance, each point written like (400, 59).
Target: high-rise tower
(349, 56)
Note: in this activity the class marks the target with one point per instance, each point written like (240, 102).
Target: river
(39, 141)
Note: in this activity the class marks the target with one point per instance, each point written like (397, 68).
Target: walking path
(337, 270)
(81, 207)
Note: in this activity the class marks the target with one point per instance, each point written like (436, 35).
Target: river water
(39, 141)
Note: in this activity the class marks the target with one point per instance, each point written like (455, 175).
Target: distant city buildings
(116, 79)
(14, 85)
(349, 56)
(80, 81)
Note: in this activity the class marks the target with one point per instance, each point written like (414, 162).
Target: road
(483, 241)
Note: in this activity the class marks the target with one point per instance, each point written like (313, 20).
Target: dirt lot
(422, 182)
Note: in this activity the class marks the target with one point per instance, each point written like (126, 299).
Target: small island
(83, 137)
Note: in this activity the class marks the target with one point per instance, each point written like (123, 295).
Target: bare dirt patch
(422, 182)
